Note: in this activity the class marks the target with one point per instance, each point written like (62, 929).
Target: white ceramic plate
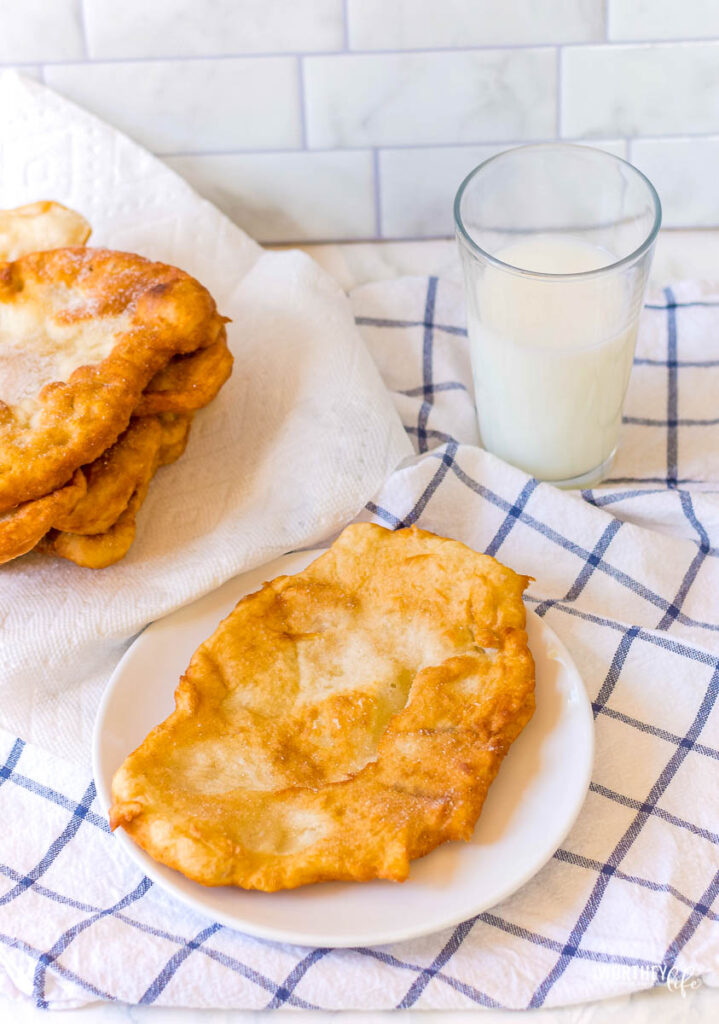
(530, 808)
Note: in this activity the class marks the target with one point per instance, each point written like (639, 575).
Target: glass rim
(475, 250)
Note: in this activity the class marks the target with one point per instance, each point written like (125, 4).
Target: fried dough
(175, 435)
(188, 383)
(99, 494)
(97, 551)
(82, 333)
(22, 527)
(149, 443)
(43, 225)
(340, 722)
(114, 477)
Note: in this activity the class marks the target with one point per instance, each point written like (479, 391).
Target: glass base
(589, 479)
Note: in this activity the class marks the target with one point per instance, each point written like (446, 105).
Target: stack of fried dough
(105, 357)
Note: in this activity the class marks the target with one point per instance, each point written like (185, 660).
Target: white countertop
(679, 254)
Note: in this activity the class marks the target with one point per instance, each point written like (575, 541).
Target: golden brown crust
(151, 312)
(340, 722)
(113, 478)
(149, 442)
(188, 383)
(22, 527)
(41, 225)
(97, 551)
(97, 497)
(175, 435)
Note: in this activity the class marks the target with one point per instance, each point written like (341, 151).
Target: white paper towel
(297, 441)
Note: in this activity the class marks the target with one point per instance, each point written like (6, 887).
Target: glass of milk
(556, 244)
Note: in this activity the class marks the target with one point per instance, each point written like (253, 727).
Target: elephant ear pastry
(43, 225)
(190, 382)
(24, 526)
(100, 529)
(340, 722)
(82, 333)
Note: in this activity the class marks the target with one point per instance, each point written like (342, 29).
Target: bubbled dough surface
(339, 722)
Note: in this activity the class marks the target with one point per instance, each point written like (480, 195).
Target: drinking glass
(556, 243)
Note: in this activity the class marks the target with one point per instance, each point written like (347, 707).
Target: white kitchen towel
(630, 899)
(298, 439)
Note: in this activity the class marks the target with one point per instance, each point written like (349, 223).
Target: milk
(552, 357)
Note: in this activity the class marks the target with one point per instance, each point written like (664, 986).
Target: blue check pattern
(627, 574)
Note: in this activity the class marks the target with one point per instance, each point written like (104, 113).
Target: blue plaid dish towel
(626, 574)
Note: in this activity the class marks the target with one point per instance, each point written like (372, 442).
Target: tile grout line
(303, 108)
(659, 44)
(355, 240)
(377, 194)
(399, 239)
(346, 25)
(85, 36)
(403, 147)
(559, 87)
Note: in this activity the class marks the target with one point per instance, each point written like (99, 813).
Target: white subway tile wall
(35, 30)
(648, 89)
(429, 98)
(179, 106)
(311, 120)
(686, 174)
(209, 28)
(416, 24)
(663, 19)
(281, 196)
(418, 185)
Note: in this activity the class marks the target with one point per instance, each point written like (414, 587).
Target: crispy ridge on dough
(151, 312)
(114, 477)
(98, 495)
(340, 722)
(98, 551)
(189, 382)
(41, 225)
(22, 528)
(149, 442)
